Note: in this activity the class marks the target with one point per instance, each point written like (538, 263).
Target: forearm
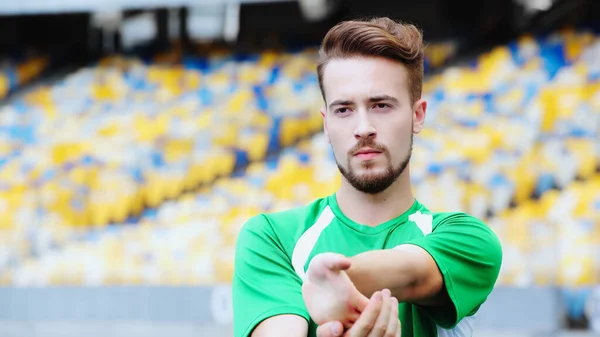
(407, 271)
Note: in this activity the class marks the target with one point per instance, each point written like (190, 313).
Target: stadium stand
(134, 172)
(19, 70)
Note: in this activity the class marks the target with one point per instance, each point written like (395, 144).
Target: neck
(375, 209)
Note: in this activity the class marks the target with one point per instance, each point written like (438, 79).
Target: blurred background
(137, 137)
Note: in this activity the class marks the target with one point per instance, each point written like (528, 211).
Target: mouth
(367, 153)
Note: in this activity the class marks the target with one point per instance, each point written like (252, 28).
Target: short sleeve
(469, 256)
(264, 283)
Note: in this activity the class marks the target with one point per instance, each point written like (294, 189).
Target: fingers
(359, 301)
(383, 320)
(336, 261)
(393, 328)
(323, 264)
(367, 319)
(351, 319)
(379, 319)
(331, 329)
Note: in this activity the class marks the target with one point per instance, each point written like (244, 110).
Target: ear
(420, 111)
(324, 115)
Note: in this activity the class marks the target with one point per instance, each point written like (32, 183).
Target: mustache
(367, 143)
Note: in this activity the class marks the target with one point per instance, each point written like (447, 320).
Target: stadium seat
(19, 70)
(154, 130)
(510, 138)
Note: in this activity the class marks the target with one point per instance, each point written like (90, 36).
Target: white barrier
(538, 310)
(13, 7)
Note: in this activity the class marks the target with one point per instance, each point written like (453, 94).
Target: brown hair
(381, 37)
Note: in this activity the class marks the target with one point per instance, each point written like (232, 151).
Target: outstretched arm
(407, 270)
(338, 287)
(449, 273)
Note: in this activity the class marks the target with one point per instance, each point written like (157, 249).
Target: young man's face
(369, 120)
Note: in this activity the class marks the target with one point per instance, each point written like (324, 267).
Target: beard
(374, 183)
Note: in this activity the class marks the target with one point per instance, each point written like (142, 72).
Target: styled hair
(377, 37)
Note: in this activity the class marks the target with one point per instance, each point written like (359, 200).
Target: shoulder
(467, 228)
(462, 223)
(289, 223)
(297, 217)
(453, 218)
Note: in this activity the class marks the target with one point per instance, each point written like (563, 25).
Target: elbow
(429, 291)
(425, 282)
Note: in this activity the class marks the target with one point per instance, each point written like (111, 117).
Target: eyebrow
(340, 102)
(374, 99)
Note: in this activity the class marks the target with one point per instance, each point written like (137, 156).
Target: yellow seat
(148, 129)
(576, 265)
(98, 213)
(255, 145)
(7, 207)
(203, 171)
(260, 121)
(174, 185)
(188, 179)
(475, 146)
(226, 135)
(123, 207)
(524, 177)
(315, 121)
(224, 163)
(582, 148)
(258, 168)
(290, 131)
(249, 74)
(4, 85)
(30, 69)
(153, 193)
(68, 151)
(176, 150)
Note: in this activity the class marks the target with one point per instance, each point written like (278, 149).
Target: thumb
(330, 329)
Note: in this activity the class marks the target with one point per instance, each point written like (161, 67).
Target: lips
(366, 151)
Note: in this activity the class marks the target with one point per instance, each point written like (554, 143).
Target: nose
(365, 128)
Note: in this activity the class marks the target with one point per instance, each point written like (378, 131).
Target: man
(355, 262)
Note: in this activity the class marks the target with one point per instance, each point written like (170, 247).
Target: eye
(341, 111)
(382, 106)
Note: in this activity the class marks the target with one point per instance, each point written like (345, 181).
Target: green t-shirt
(274, 250)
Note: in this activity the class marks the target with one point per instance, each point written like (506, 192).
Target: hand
(380, 319)
(328, 292)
